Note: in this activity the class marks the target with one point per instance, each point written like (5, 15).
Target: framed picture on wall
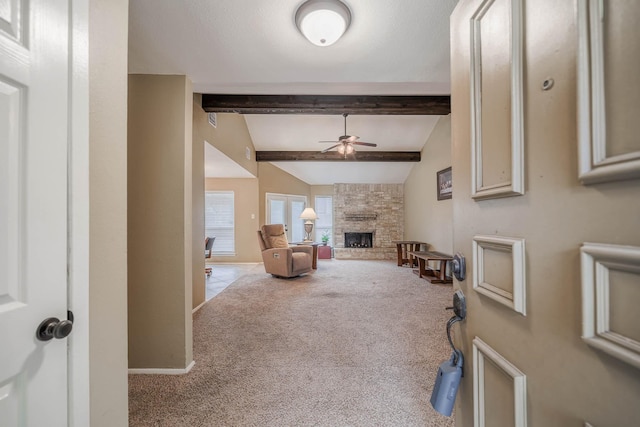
(445, 187)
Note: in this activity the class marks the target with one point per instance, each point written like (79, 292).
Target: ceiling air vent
(213, 120)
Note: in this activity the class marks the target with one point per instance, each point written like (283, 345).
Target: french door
(286, 209)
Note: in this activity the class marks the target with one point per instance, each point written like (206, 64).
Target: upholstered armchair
(280, 259)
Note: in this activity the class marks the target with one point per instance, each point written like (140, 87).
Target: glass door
(286, 209)
(296, 206)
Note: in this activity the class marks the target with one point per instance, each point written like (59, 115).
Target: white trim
(78, 186)
(233, 263)
(161, 371)
(482, 351)
(198, 307)
(593, 164)
(596, 262)
(514, 186)
(516, 247)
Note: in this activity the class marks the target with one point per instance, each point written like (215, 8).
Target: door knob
(459, 266)
(54, 328)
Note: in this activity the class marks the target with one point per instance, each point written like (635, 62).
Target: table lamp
(308, 214)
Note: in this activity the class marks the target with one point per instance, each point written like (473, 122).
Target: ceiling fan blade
(330, 148)
(347, 141)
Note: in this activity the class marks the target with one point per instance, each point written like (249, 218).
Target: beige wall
(319, 190)
(426, 218)
(197, 240)
(231, 135)
(159, 217)
(108, 25)
(275, 180)
(187, 233)
(246, 216)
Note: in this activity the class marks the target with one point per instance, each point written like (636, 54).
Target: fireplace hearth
(358, 240)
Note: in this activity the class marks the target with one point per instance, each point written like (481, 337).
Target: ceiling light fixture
(346, 148)
(323, 22)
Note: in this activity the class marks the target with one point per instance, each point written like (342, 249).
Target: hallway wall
(426, 218)
(160, 205)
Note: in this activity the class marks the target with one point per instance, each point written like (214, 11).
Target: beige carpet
(356, 343)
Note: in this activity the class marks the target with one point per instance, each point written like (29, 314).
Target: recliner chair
(280, 259)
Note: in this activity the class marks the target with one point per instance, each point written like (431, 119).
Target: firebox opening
(358, 240)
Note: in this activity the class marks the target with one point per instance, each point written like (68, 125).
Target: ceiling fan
(346, 142)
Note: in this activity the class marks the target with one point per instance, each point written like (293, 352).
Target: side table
(433, 275)
(404, 248)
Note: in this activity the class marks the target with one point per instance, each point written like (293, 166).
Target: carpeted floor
(356, 343)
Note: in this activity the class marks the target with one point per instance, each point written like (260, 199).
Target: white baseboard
(162, 371)
(233, 263)
(198, 307)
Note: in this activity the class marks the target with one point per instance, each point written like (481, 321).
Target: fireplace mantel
(360, 216)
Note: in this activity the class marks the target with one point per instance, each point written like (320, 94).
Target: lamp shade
(323, 22)
(308, 214)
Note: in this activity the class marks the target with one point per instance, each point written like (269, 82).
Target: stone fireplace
(375, 211)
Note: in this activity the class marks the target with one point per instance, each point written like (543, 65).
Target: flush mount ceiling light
(323, 22)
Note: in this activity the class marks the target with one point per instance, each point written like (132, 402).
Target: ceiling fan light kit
(346, 148)
(323, 22)
(345, 143)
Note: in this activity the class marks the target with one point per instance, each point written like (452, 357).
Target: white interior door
(33, 209)
(552, 335)
(286, 209)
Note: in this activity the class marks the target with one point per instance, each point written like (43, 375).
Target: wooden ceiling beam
(327, 104)
(316, 156)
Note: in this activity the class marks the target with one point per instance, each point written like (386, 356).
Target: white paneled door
(34, 105)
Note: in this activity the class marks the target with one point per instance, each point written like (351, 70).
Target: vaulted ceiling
(393, 47)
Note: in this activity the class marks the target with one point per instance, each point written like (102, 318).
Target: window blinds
(324, 209)
(219, 221)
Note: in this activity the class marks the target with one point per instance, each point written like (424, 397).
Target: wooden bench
(404, 247)
(432, 274)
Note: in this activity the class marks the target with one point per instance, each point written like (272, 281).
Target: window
(324, 210)
(219, 221)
